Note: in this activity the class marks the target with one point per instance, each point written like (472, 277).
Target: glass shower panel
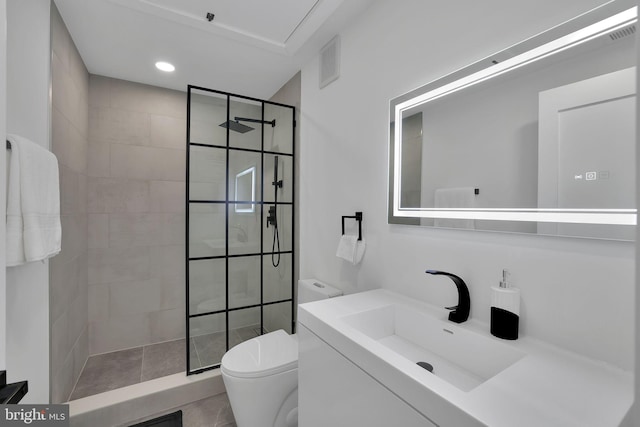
(233, 215)
(279, 138)
(277, 316)
(207, 235)
(243, 325)
(280, 238)
(244, 230)
(245, 123)
(277, 281)
(244, 281)
(207, 290)
(208, 110)
(207, 173)
(194, 362)
(285, 174)
(208, 340)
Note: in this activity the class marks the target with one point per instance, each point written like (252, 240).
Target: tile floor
(118, 369)
(110, 371)
(214, 411)
(211, 412)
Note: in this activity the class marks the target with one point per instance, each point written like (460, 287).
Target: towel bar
(357, 217)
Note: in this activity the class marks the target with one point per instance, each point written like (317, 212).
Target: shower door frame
(228, 203)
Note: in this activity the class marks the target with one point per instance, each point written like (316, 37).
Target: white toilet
(261, 374)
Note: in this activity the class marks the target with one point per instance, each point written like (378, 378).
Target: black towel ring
(357, 217)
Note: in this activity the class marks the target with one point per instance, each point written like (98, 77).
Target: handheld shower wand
(272, 219)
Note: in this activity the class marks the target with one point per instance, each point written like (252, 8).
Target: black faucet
(460, 312)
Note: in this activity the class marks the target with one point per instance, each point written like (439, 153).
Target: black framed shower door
(240, 195)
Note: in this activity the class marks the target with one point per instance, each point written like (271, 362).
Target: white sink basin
(460, 357)
(477, 379)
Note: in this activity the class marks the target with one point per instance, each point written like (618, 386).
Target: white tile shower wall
(68, 271)
(576, 293)
(136, 221)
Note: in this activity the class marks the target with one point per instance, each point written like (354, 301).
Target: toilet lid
(265, 355)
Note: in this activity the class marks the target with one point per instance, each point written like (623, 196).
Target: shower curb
(125, 405)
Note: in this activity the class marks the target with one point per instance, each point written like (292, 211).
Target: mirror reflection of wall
(412, 162)
(412, 165)
(587, 143)
(488, 136)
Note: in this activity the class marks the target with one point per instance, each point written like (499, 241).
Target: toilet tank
(314, 290)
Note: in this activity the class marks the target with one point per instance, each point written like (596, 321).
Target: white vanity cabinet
(334, 392)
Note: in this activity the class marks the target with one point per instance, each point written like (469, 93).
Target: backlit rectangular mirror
(538, 138)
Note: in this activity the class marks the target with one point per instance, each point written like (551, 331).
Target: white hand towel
(360, 248)
(347, 247)
(34, 232)
(351, 249)
(461, 197)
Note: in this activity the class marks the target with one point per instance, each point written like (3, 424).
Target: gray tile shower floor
(109, 371)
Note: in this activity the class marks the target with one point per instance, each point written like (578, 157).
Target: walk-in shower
(240, 216)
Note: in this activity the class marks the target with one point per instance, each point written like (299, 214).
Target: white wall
(3, 177)
(635, 412)
(28, 111)
(575, 293)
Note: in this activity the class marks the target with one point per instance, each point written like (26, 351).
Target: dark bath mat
(169, 420)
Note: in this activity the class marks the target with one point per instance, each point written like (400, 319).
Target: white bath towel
(460, 197)
(34, 232)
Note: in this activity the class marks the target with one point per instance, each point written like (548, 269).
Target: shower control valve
(272, 218)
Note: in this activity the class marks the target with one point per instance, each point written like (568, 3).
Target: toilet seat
(262, 356)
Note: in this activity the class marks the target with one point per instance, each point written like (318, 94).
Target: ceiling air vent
(624, 32)
(330, 62)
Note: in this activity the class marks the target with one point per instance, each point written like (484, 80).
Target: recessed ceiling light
(165, 66)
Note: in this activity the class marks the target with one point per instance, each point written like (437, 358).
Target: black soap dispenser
(505, 309)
